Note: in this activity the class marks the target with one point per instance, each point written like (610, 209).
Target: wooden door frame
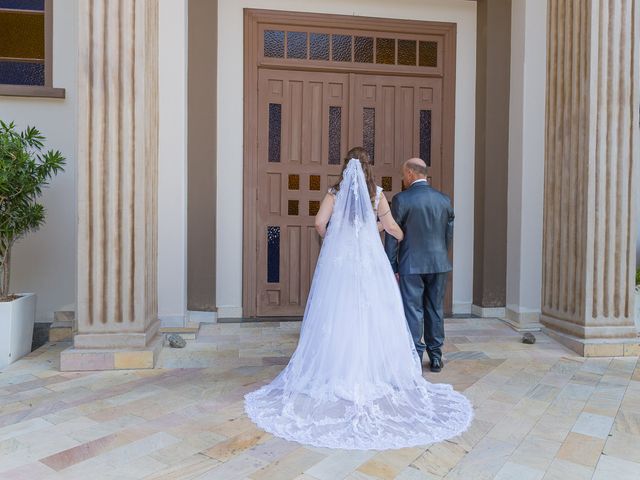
(253, 18)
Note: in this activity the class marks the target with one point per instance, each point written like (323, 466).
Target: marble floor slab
(541, 412)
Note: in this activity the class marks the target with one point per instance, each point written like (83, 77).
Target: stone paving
(542, 412)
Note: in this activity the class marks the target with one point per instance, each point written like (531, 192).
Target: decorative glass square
(428, 54)
(297, 45)
(275, 131)
(425, 136)
(386, 51)
(294, 182)
(363, 49)
(274, 43)
(314, 182)
(369, 131)
(273, 254)
(319, 46)
(21, 73)
(314, 206)
(341, 48)
(407, 52)
(21, 36)
(293, 207)
(23, 4)
(335, 133)
(387, 184)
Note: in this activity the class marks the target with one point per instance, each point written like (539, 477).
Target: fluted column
(590, 175)
(117, 154)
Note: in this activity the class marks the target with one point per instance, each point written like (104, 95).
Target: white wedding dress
(355, 380)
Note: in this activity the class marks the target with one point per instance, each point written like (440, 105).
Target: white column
(117, 318)
(591, 176)
(526, 162)
(172, 163)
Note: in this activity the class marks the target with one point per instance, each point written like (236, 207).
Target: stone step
(61, 329)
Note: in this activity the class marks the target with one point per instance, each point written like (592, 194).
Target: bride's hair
(365, 161)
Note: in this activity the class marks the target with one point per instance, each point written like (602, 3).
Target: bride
(355, 380)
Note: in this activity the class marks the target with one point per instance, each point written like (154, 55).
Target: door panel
(307, 123)
(302, 138)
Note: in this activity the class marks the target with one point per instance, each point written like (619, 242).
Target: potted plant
(24, 170)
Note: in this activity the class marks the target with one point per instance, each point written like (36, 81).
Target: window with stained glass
(23, 42)
(346, 48)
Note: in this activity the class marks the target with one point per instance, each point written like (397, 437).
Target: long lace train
(355, 380)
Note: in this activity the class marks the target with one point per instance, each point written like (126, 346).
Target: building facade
(201, 135)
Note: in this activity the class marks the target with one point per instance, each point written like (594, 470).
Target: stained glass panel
(314, 182)
(293, 207)
(335, 134)
(341, 48)
(297, 45)
(319, 46)
(23, 4)
(428, 54)
(314, 206)
(386, 51)
(274, 43)
(387, 184)
(425, 136)
(21, 73)
(407, 52)
(294, 182)
(22, 35)
(275, 131)
(363, 49)
(369, 131)
(273, 254)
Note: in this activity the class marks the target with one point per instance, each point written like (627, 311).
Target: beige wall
(44, 262)
(230, 74)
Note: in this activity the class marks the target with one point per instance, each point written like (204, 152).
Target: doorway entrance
(316, 86)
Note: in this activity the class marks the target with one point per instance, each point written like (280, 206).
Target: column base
(488, 312)
(85, 359)
(599, 347)
(523, 321)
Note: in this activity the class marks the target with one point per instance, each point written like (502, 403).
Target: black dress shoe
(436, 365)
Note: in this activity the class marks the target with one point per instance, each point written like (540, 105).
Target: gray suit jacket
(426, 218)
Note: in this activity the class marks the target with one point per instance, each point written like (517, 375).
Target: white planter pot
(16, 327)
(638, 308)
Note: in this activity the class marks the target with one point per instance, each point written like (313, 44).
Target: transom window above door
(343, 48)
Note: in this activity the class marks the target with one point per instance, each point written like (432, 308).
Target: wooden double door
(307, 121)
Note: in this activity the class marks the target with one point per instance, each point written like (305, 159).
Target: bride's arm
(324, 214)
(389, 224)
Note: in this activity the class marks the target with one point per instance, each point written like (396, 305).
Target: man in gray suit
(421, 261)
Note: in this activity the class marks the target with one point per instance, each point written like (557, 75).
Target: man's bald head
(417, 166)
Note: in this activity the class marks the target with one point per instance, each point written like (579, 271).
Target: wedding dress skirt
(355, 379)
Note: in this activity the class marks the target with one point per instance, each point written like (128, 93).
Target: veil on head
(352, 210)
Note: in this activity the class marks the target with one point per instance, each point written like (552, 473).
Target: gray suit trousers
(423, 296)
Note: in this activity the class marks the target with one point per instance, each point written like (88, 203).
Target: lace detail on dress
(378, 194)
(355, 380)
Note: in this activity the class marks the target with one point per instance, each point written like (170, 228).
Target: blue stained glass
(21, 73)
(335, 133)
(275, 131)
(425, 136)
(319, 46)
(273, 254)
(274, 43)
(296, 45)
(369, 131)
(23, 4)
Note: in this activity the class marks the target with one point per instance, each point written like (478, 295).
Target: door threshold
(259, 319)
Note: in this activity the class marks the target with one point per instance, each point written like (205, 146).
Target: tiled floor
(541, 413)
